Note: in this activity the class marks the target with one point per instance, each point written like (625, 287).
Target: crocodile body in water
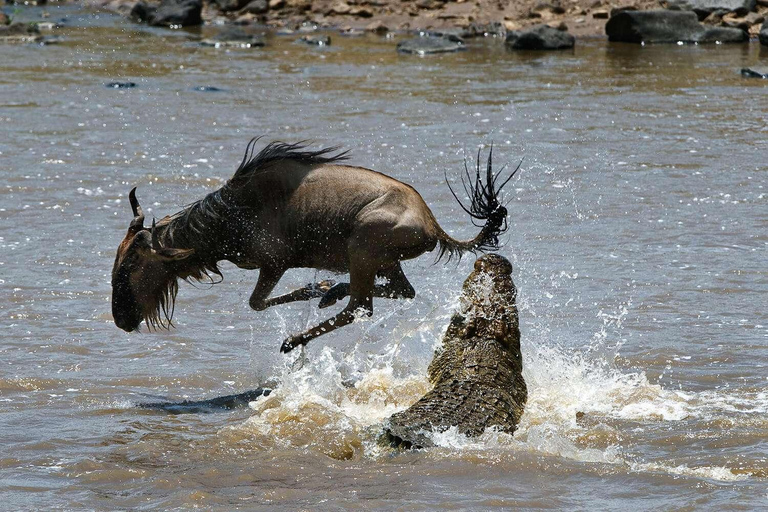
(477, 373)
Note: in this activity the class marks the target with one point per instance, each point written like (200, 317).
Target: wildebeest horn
(137, 224)
(155, 238)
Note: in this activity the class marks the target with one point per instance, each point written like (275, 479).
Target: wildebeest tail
(485, 209)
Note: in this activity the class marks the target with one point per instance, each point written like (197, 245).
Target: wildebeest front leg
(310, 291)
(361, 298)
(268, 278)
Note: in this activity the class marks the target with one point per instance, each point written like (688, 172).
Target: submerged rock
(234, 37)
(120, 85)
(664, 26)
(542, 37)
(170, 13)
(430, 44)
(315, 40)
(477, 373)
(755, 72)
(20, 33)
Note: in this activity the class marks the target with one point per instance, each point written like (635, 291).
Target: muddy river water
(638, 232)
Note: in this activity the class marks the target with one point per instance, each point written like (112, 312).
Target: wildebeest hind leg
(396, 287)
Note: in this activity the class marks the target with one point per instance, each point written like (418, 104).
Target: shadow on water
(218, 404)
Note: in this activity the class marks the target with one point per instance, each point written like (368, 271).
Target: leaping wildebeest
(290, 207)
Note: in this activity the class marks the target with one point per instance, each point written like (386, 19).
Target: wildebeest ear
(174, 254)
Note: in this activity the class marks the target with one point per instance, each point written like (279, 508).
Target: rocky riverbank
(582, 18)
(526, 25)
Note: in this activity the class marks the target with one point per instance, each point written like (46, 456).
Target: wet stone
(256, 7)
(430, 44)
(315, 40)
(20, 33)
(120, 85)
(542, 37)
(665, 26)
(234, 37)
(755, 73)
(170, 13)
(704, 8)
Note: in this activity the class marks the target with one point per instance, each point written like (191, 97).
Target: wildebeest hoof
(336, 292)
(291, 343)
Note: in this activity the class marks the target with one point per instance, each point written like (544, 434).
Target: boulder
(178, 13)
(542, 37)
(763, 36)
(666, 26)
(704, 8)
(494, 29)
(478, 372)
(430, 44)
(256, 7)
(230, 5)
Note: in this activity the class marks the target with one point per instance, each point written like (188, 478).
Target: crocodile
(477, 373)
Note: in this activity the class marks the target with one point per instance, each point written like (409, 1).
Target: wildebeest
(290, 207)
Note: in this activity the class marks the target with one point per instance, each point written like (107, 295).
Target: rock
(600, 14)
(724, 35)
(430, 44)
(730, 20)
(704, 7)
(340, 7)
(3, 19)
(542, 37)
(545, 11)
(20, 33)
(666, 26)
(276, 4)
(755, 73)
(362, 12)
(120, 85)
(206, 88)
(298, 5)
(230, 5)
(316, 40)
(493, 29)
(234, 37)
(377, 27)
(176, 13)
(256, 7)
(352, 32)
(477, 373)
(763, 36)
(429, 4)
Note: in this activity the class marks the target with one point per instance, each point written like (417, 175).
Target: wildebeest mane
(190, 228)
(275, 151)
